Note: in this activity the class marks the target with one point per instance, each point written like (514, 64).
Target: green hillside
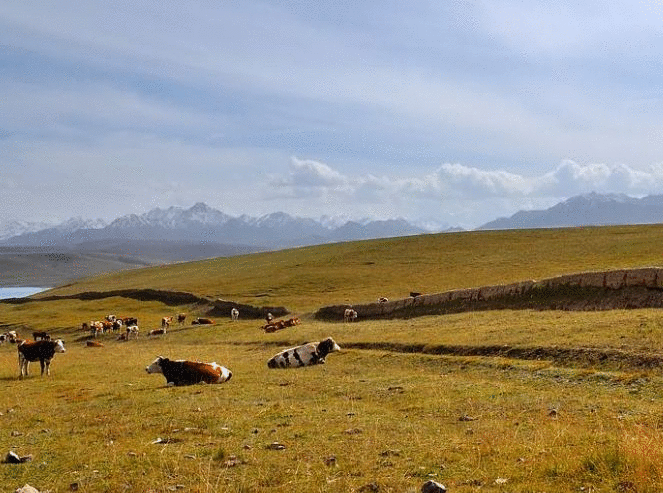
(303, 279)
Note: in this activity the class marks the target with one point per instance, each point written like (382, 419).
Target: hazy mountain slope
(587, 210)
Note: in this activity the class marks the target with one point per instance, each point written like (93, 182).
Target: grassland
(368, 420)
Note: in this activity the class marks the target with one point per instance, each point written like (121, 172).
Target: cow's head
(155, 367)
(58, 346)
(328, 346)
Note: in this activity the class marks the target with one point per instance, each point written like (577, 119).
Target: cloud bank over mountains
(463, 195)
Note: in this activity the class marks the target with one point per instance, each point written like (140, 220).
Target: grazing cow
(42, 351)
(181, 317)
(182, 372)
(234, 314)
(349, 315)
(382, 299)
(41, 336)
(111, 318)
(132, 329)
(313, 353)
(156, 332)
(129, 320)
(117, 325)
(96, 327)
(12, 336)
(202, 321)
(166, 321)
(3, 338)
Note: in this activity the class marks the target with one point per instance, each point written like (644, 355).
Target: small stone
(433, 487)
(369, 487)
(465, 417)
(275, 446)
(27, 489)
(16, 433)
(330, 461)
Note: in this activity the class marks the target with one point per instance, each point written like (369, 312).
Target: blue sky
(444, 113)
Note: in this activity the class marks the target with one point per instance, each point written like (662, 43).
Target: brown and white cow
(42, 351)
(166, 321)
(349, 315)
(182, 372)
(181, 317)
(234, 314)
(202, 321)
(313, 353)
(157, 332)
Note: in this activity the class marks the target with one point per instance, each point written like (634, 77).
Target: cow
(269, 317)
(313, 353)
(111, 318)
(132, 329)
(3, 338)
(166, 321)
(41, 336)
(382, 299)
(202, 321)
(182, 372)
(96, 327)
(42, 351)
(117, 325)
(414, 294)
(129, 320)
(93, 344)
(234, 314)
(349, 315)
(156, 332)
(181, 317)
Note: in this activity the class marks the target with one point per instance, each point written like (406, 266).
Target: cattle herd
(177, 372)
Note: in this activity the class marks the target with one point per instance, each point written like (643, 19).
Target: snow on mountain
(16, 228)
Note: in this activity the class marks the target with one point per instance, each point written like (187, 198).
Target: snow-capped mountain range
(201, 223)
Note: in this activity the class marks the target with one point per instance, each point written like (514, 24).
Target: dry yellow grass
(369, 417)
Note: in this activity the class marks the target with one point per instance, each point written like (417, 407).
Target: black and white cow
(182, 372)
(313, 353)
(42, 351)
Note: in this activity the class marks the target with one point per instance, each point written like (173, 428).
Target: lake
(19, 292)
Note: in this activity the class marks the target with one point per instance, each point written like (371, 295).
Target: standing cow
(42, 351)
(234, 314)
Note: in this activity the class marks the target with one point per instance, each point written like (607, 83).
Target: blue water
(19, 292)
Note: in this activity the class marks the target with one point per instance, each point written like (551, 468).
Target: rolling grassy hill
(571, 408)
(304, 279)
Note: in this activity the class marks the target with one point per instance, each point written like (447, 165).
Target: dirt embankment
(618, 289)
(211, 307)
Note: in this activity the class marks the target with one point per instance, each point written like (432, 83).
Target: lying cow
(313, 353)
(41, 336)
(182, 372)
(42, 351)
(202, 321)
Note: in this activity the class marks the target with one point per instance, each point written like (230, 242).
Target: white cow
(234, 314)
(349, 315)
(313, 353)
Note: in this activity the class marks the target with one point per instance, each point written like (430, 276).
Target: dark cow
(182, 372)
(42, 351)
(129, 321)
(156, 332)
(41, 336)
(313, 353)
(181, 317)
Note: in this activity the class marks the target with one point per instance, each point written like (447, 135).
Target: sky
(448, 113)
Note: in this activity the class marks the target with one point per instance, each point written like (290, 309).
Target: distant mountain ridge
(203, 224)
(591, 209)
